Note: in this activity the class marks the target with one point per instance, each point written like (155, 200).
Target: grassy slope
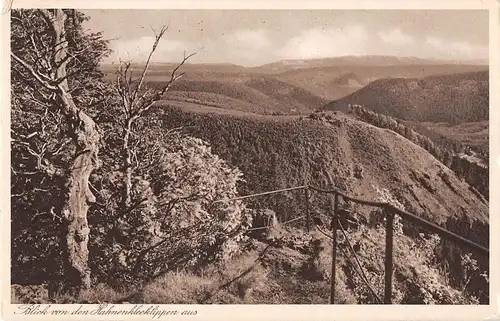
(467, 162)
(263, 94)
(324, 80)
(455, 99)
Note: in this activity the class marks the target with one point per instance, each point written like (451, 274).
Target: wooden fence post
(389, 228)
(334, 247)
(308, 217)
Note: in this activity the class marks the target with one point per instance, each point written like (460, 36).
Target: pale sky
(256, 37)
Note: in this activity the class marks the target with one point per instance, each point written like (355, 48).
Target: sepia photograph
(258, 157)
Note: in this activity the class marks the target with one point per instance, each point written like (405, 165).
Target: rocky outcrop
(477, 175)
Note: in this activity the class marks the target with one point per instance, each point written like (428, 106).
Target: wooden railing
(390, 211)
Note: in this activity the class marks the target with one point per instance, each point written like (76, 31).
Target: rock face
(315, 269)
(263, 218)
(358, 171)
(477, 175)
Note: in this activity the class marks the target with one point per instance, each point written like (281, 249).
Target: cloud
(241, 46)
(457, 49)
(395, 37)
(320, 43)
(252, 47)
(137, 50)
(245, 39)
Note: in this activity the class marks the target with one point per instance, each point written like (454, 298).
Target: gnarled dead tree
(135, 102)
(42, 64)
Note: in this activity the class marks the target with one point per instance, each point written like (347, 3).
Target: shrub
(177, 221)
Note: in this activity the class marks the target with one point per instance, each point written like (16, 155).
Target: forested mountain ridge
(454, 99)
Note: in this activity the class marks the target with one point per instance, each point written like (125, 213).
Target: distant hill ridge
(262, 94)
(363, 60)
(372, 60)
(327, 78)
(455, 98)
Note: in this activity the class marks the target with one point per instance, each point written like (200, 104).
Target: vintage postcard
(250, 160)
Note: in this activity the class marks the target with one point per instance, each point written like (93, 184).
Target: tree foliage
(174, 222)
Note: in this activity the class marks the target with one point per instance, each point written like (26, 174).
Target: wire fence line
(389, 211)
(261, 194)
(271, 226)
(387, 206)
(359, 272)
(363, 276)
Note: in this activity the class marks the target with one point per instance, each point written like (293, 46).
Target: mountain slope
(453, 98)
(278, 152)
(468, 162)
(473, 134)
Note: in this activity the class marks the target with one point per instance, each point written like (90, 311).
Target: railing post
(308, 217)
(334, 247)
(389, 228)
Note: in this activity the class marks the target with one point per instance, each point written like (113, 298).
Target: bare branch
(148, 61)
(61, 146)
(34, 73)
(134, 107)
(142, 104)
(173, 78)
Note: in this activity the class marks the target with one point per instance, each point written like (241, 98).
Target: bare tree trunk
(131, 100)
(78, 198)
(77, 195)
(127, 163)
(136, 101)
(52, 74)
